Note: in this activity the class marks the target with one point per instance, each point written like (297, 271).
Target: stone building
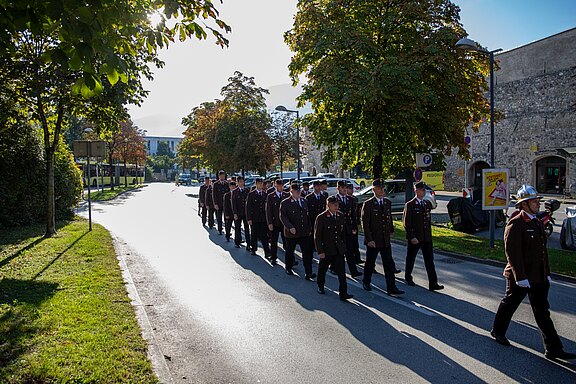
(535, 89)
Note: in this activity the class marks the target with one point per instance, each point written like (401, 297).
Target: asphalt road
(215, 314)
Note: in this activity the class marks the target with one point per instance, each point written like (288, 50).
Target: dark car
(396, 192)
(184, 179)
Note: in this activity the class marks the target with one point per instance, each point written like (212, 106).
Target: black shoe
(253, 253)
(346, 297)
(236, 246)
(410, 282)
(220, 233)
(289, 272)
(295, 263)
(273, 262)
(321, 290)
(500, 339)
(211, 226)
(332, 271)
(366, 286)
(227, 239)
(268, 256)
(310, 276)
(561, 354)
(436, 287)
(357, 274)
(394, 291)
(397, 271)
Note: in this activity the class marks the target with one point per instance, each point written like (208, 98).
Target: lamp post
(88, 155)
(282, 108)
(471, 45)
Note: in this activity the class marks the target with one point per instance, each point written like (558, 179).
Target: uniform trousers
(427, 254)
(387, 263)
(356, 249)
(238, 224)
(219, 215)
(259, 232)
(350, 256)
(228, 227)
(305, 243)
(211, 212)
(337, 264)
(276, 230)
(204, 214)
(538, 296)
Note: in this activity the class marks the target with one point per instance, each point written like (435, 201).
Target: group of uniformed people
(329, 226)
(317, 222)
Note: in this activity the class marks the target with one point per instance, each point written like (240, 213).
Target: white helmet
(525, 193)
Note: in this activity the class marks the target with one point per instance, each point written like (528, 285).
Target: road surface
(216, 314)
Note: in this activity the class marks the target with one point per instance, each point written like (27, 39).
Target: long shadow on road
(369, 321)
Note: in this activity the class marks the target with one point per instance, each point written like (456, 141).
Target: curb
(494, 263)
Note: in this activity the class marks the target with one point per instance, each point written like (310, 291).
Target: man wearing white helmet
(528, 273)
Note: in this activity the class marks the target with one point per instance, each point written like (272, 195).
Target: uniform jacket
(208, 201)
(294, 214)
(377, 222)
(219, 188)
(256, 206)
(315, 205)
(417, 220)
(348, 208)
(525, 245)
(228, 214)
(273, 207)
(202, 194)
(239, 201)
(329, 233)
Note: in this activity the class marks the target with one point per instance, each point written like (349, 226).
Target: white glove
(550, 279)
(523, 283)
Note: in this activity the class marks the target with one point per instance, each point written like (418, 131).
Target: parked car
(396, 192)
(309, 179)
(333, 184)
(325, 175)
(184, 179)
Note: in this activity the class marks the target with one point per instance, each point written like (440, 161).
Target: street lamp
(88, 155)
(282, 108)
(471, 45)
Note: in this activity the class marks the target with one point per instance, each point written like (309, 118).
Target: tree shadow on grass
(19, 304)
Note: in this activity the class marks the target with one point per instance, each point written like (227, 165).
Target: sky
(195, 71)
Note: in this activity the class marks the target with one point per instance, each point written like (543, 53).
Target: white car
(396, 192)
(333, 184)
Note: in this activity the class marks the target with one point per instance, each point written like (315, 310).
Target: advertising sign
(92, 148)
(434, 179)
(495, 194)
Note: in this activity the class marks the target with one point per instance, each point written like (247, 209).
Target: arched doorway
(551, 175)
(475, 175)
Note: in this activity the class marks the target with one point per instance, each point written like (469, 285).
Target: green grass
(445, 239)
(64, 313)
(109, 194)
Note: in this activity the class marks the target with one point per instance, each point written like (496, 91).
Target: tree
(282, 132)
(385, 80)
(130, 146)
(231, 133)
(87, 58)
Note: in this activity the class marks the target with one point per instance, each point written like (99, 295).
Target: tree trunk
(377, 162)
(112, 176)
(125, 175)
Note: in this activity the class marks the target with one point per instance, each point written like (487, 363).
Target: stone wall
(536, 91)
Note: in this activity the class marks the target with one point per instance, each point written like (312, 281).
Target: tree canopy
(231, 133)
(385, 80)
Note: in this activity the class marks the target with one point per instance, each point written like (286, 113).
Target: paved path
(215, 314)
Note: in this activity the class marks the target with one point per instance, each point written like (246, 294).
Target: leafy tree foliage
(130, 146)
(66, 58)
(385, 80)
(282, 132)
(231, 133)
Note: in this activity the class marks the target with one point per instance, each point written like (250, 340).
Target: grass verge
(445, 239)
(109, 194)
(64, 312)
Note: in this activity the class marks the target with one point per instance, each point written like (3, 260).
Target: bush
(23, 180)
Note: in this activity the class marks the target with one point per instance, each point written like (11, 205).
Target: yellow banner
(434, 179)
(495, 192)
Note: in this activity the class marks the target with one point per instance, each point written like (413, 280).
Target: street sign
(423, 160)
(92, 148)
(418, 174)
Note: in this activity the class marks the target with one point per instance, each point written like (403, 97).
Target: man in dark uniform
(418, 225)
(316, 202)
(238, 198)
(209, 203)
(228, 213)
(324, 186)
(256, 216)
(329, 235)
(305, 189)
(377, 224)
(348, 209)
(297, 230)
(268, 186)
(355, 244)
(219, 188)
(275, 226)
(202, 199)
(528, 273)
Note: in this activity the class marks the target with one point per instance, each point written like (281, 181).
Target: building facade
(153, 141)
(535, 90)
